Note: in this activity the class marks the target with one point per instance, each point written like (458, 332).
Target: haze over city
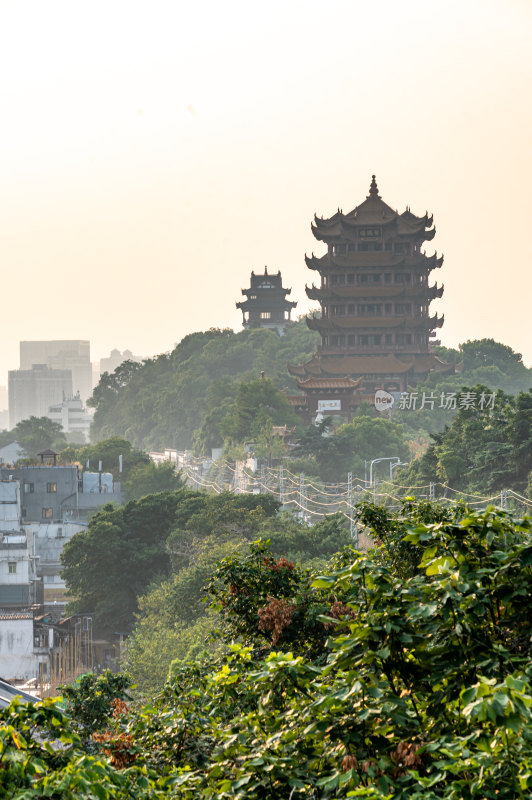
(153, 154)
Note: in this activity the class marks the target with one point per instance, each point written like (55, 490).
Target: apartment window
(28, 488)
(265, 315)
(47, 513)
(51, 487)
(11, 567)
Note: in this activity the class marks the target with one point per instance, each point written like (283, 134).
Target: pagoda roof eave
(380, 259)
(314, 382)
(419, 363)
(353, 323)
(378, 291)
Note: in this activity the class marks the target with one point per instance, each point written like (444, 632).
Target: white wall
(17, 659)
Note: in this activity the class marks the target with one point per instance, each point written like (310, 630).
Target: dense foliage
(174, 624)
(482, 450)
(163, 401)
(418, 687)
(107, 452)
(35, 435)
(124, 549)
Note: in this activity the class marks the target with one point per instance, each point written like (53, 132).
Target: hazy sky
(153, 153)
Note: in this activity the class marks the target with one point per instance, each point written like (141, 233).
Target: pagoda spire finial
(373, 189)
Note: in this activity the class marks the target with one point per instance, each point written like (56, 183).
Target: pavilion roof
(373, 211)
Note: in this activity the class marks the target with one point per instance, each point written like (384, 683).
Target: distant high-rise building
(73, 417)
(62, 354)
(115, 359)
(33, 391)
(266, 305)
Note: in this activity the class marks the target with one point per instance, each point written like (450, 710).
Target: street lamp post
(378, 461)
(397, 464)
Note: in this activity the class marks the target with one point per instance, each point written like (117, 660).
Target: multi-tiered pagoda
(266, 305)
(375, 325)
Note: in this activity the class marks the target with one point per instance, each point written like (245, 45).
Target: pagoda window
(339, 310)
(351, 308)
(404, 338)
(363, 279)
(376, 338)
(350, 247)
(265, 314)
(388, 338)
(341, 249)
(363, 339)
(388, 278)
(351, 277)
(363, 247)
(351, 340)
(387, 308)
(376, 277)
(369, 308)
(374, 246)
(402, 277)
(403, 308)
(336, 341)
(253, 297)
(388, 246)
(337, 280)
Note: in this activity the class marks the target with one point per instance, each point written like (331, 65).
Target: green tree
(37, 434)
(108, 452)
(151, 478)
(89, 700)
(258, 406)
(363, 439)
(111, 563)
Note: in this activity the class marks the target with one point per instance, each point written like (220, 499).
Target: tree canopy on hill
(482, 450)
(161, 402)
